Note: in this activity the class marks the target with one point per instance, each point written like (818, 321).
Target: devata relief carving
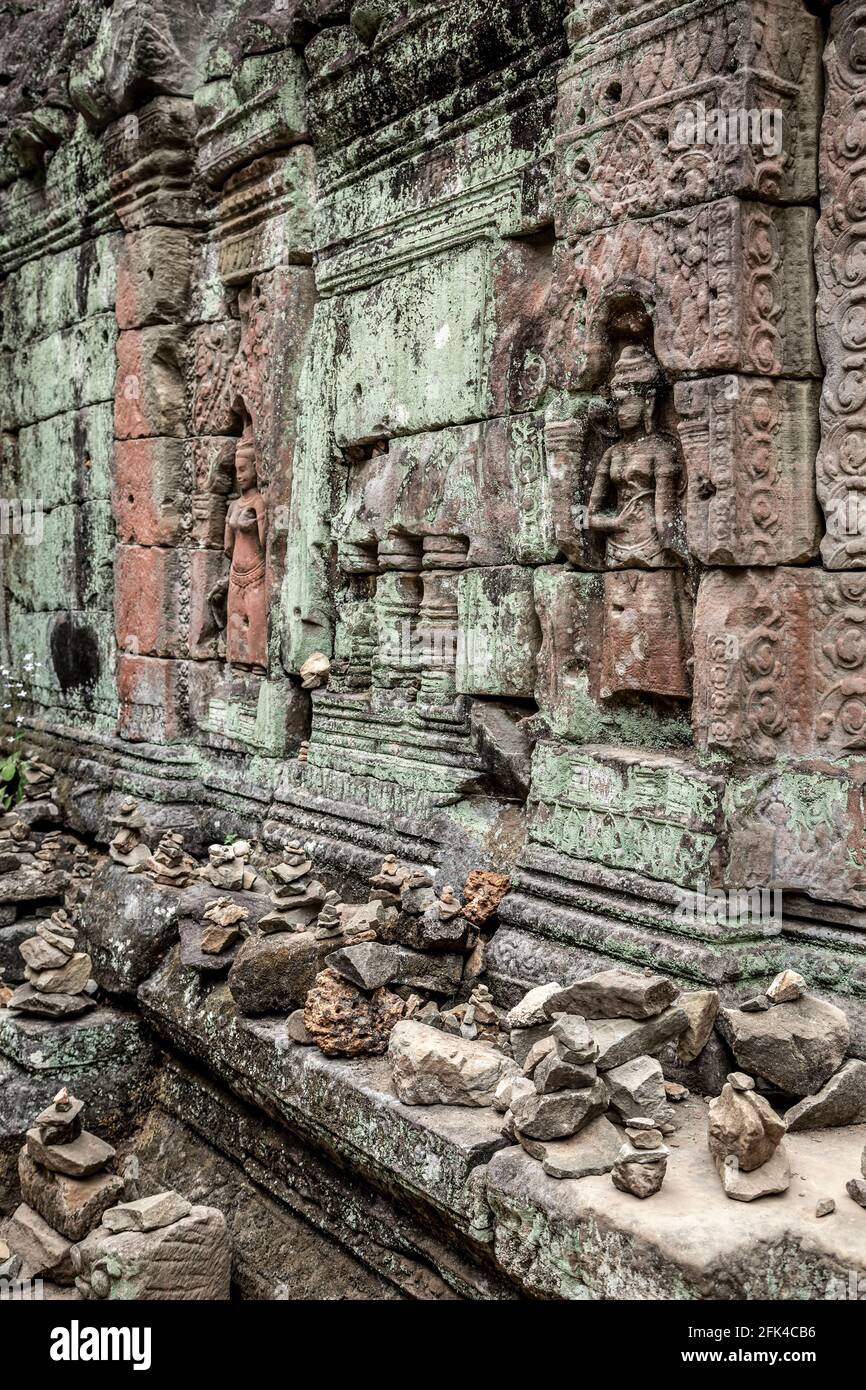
(433, 650)
(246, 528)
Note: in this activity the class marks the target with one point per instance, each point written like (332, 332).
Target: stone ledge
(346, 1108)
(585, 1240)
(307, 1190)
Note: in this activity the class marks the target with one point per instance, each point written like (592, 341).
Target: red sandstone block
(150, 586)
(148, 494)
(149, 397)
(153, 277)
(152, 699)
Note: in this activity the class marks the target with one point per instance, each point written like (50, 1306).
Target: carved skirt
(247, 626)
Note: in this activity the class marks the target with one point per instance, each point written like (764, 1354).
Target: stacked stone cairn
(170, 866)
(128, 847)
(297, 897)
(745, 1138)
(228, 867)
(66, 1186)
(642, 1161)
(223, 923)
(58, 977)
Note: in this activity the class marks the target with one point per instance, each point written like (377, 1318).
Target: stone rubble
(297, 896)
(128, 846)
(641, 1163)
(57, 976)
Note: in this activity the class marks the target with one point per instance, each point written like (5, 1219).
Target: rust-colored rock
(344, 1021)
(483, 891)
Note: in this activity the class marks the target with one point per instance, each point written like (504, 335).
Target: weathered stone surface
(842, 1101)
(57, 1006)
(772, 1177)
(620, 1040)
(796, 1046)
(274, 974)
(701, 1005)
(70, 1205)
(41, 1250)
(344, 1022)
(529, 1013)
(743, 1124)
(787, 986)
(189, 1260)
(553, 1074)
(68, 979)
(614, 994)
(560, 1114)
(636, 1088)
(79, 1159)
(435, 1068)
(128, 924)
(147, 1213)
(592, 1150)
(574, 1041)
(367, 965)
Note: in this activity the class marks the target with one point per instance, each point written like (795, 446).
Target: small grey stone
(530, 1011)
(574, 1041)
(538, 1051)
(369, 965)
(553, 1074)
(297, 1031)
(825, 1206)
(740, 1081)
(758, 1004)
(856, 1190)
(560, 1114)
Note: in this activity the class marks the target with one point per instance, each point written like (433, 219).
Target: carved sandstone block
(152, 699)
(780, 662)
(151, 588)
(841, 467)
(149, 396)
(498, 632)
(265, 215)
(483, 485)
(586, 656)
(627, 808)
(148, 496)
(749, 446)
(729, 284)
(696, 103)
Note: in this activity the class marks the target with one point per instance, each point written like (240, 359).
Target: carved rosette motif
(841, 267)
(626, 142)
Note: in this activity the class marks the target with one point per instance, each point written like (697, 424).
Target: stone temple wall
(507, 392)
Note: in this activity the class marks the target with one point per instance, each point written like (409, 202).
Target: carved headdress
(636, 367)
